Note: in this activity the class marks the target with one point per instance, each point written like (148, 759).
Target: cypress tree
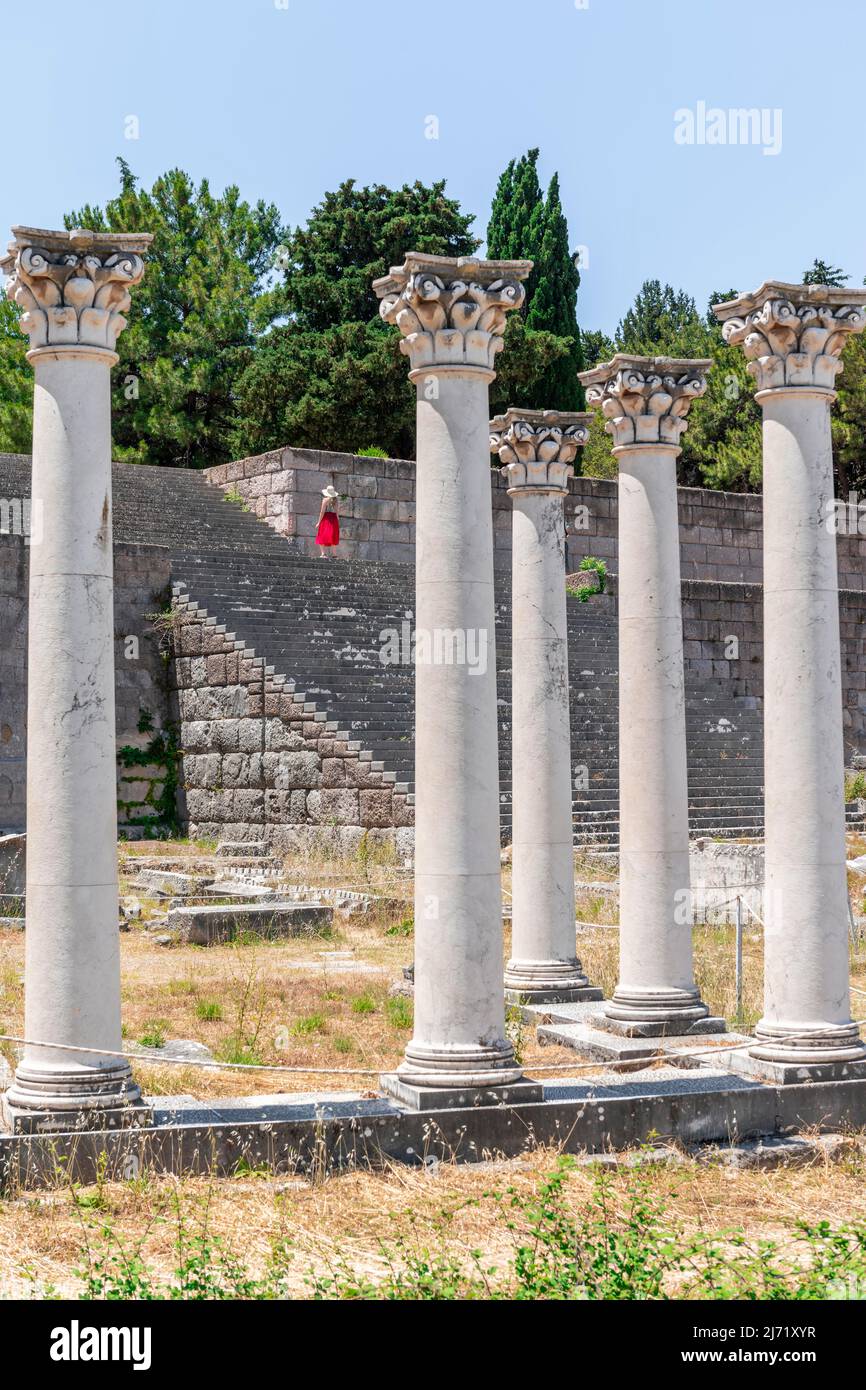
(525, 225)
(553, 307)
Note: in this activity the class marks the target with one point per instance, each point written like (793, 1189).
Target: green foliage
(855, 787)
(822, 273)
(722, 445)
(16, 384)
(597, 347)
(209, 1010)
(371, 452)
(662, 322)
(399, 1011)
(239, 1050)
(621, 1244)
(526, 225)
(354, 236)
(325, 390)
(363, 1004)
(515, 1030)
(163, 751)
(405, 927)
(154, 1033)
(194, 318)
(588, 564)
(310, 1023)
(333, 371)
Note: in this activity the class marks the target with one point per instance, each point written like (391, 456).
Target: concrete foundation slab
(315, 1132)
(794, 1073)
(459, 1097)
(596, 1045)
(586, 994)
(666, 1029)
(120, 1117)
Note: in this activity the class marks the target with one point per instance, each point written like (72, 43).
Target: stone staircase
(318, 623)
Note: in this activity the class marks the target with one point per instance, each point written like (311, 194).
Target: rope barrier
(610, 1064)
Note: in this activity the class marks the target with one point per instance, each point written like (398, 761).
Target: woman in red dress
(328, 533)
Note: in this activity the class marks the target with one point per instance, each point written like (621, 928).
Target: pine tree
(195, 318)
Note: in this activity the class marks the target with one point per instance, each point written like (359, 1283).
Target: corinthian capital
(793, 334)
(73, 287)
(645, 400)
(451, 310)
(538, 447)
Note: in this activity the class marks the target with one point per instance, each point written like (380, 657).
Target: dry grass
(43, 1238)
(298, 1003)
(252, 1000)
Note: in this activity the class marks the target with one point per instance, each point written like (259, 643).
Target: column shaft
(806, 909)
(72, 943)
(459, 1006)
(543, 959)
(656, 983)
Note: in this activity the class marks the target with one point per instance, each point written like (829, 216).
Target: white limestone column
(793, 336)
(537, 448)
(645, 401)
(72, 288)
(451, 314)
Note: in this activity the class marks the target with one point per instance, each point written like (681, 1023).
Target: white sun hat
(330, 491)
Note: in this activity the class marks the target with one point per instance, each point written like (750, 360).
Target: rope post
(738, 965)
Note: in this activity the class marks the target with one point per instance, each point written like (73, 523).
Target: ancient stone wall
(142, 584)
(720, 532)
(261, 764)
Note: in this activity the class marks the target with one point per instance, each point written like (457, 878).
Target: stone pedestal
(645, 401)
(451, 314)
(72, 288)
(537, 449)
(793, 336)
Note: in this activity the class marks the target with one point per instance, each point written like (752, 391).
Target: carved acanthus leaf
(537, 448)
(793, 338)
(645, 400)
(72, 288)
(451, 312)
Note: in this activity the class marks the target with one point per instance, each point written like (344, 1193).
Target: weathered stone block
(335, 805)
(301, 769)
(376, 808)
(281, 738)
(334, 772)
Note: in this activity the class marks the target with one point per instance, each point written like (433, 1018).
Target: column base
(414, 1096)
(656, 1013)
(813, 1045)
(64, 1099)
(548, 982)
(459, 1066)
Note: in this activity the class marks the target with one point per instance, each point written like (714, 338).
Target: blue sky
(287, 98)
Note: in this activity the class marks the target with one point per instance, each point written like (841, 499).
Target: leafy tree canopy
(354, 236)
(194, 318)
(16, 384)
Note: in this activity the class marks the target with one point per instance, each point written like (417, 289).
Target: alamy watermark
(846, 517)
(438, 646)
(21, 516)
(735, 125)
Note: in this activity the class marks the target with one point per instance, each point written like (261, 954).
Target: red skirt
(329, 530)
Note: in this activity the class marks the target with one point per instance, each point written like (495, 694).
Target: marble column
(793, 336)
(536, 448)
(645, 401)
(72, 289)
(451, 313)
